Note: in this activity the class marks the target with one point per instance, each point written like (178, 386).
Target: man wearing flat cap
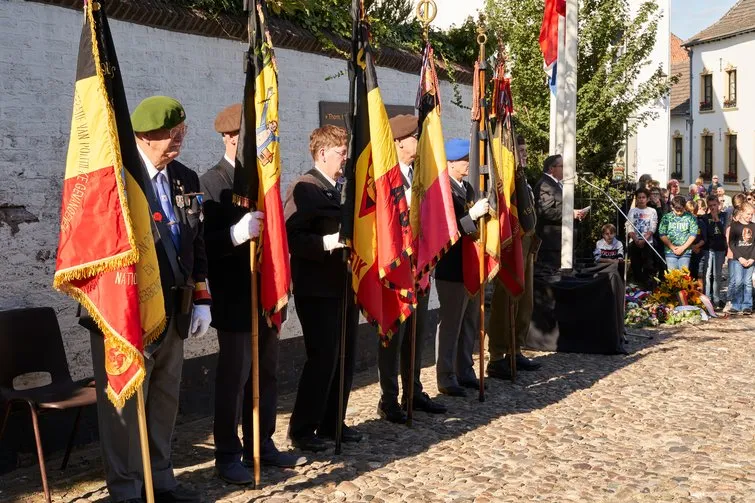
(159, 127)
(459, 312)
(228, 230)
(398, 353)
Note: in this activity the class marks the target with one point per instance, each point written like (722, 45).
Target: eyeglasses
(179, 132)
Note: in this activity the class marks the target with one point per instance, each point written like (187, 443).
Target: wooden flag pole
(412, 352)
(512, 302)
(144, 441)
(342, 350)
(255, 365)
(481, 40)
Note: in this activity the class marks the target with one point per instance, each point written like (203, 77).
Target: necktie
(339, 184)
(163, 192)
(410, 175)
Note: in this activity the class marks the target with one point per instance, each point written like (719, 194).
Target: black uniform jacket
(229, 266)
(549, 207)
(449, 267)
(190, 264)
(312, 210)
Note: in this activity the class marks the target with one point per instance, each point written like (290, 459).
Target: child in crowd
(609, 249)
(698, 260)
(678, 230)
(741, 255)
(642, 222)
(715, 242)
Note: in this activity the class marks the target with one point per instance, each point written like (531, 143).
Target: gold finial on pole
(426, 12)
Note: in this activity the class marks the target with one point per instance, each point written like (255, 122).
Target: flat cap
(403, 125)
(229, 119)
(457, 149)
(157, 112)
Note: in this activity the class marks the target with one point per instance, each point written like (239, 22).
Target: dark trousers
(398, 355)
(233, 393)
(642, 262)
(119, 430)
(316, 406)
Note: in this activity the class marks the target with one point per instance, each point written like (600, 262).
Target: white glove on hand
(247, 228)
(200, 320)
(479, 209)
(330, 242)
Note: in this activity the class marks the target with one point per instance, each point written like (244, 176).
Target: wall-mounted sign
(335, 113)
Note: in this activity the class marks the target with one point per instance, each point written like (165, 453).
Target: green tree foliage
(613, 48)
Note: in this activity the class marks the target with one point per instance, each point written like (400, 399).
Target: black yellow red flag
(509, 256)
(432, 212)
(106, 253)
(382, 239)
(256, 183)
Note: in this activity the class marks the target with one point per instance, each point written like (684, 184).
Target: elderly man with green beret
(159, 127)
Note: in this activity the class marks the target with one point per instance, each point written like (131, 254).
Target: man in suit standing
(321, 284)
(499, 325)
(549, 207)
(227, 232)
(398, 353)
(159, 127)
(459, 312)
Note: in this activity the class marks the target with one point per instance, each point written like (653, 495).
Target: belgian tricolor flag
(256, 183)
(106, 254)
(376, 215)
(432, 213)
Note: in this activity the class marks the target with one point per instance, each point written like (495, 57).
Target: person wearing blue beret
(459, 311)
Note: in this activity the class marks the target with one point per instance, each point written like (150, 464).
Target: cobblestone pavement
(671, 421)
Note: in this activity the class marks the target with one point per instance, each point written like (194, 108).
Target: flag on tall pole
(382, 238)
(106, 256)
(549, 29)
(256, 183)
(432, 215)
(510, 260)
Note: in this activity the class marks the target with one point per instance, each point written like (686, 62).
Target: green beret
(157, 112)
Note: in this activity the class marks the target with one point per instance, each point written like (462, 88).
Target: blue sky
(691, 16)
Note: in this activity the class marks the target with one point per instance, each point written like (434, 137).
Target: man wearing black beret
(159, 126)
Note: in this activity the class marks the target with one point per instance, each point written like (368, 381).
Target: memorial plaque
(336, 113)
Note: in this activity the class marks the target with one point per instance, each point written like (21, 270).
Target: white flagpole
(558, 146)
(570, 131)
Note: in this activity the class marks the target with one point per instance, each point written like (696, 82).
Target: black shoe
(348, 435)
(471, 383)
(179, 494)
(311, 443)
(424, 403)
(234, 473)
(453, 391)
(390, 411)
(499, 369)
(747, 311)
(524, 363)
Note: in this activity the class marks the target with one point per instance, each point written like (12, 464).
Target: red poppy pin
(157, 216)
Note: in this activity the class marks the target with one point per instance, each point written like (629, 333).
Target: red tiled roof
(678, 53)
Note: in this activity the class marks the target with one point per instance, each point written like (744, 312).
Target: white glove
(479, 209)
(331, 242)
(200, 320)
(247, 228)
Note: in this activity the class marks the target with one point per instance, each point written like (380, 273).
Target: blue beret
(456, 149)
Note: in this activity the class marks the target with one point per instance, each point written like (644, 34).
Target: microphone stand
(626, 217)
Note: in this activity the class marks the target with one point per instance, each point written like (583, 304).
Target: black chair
(30, 341)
